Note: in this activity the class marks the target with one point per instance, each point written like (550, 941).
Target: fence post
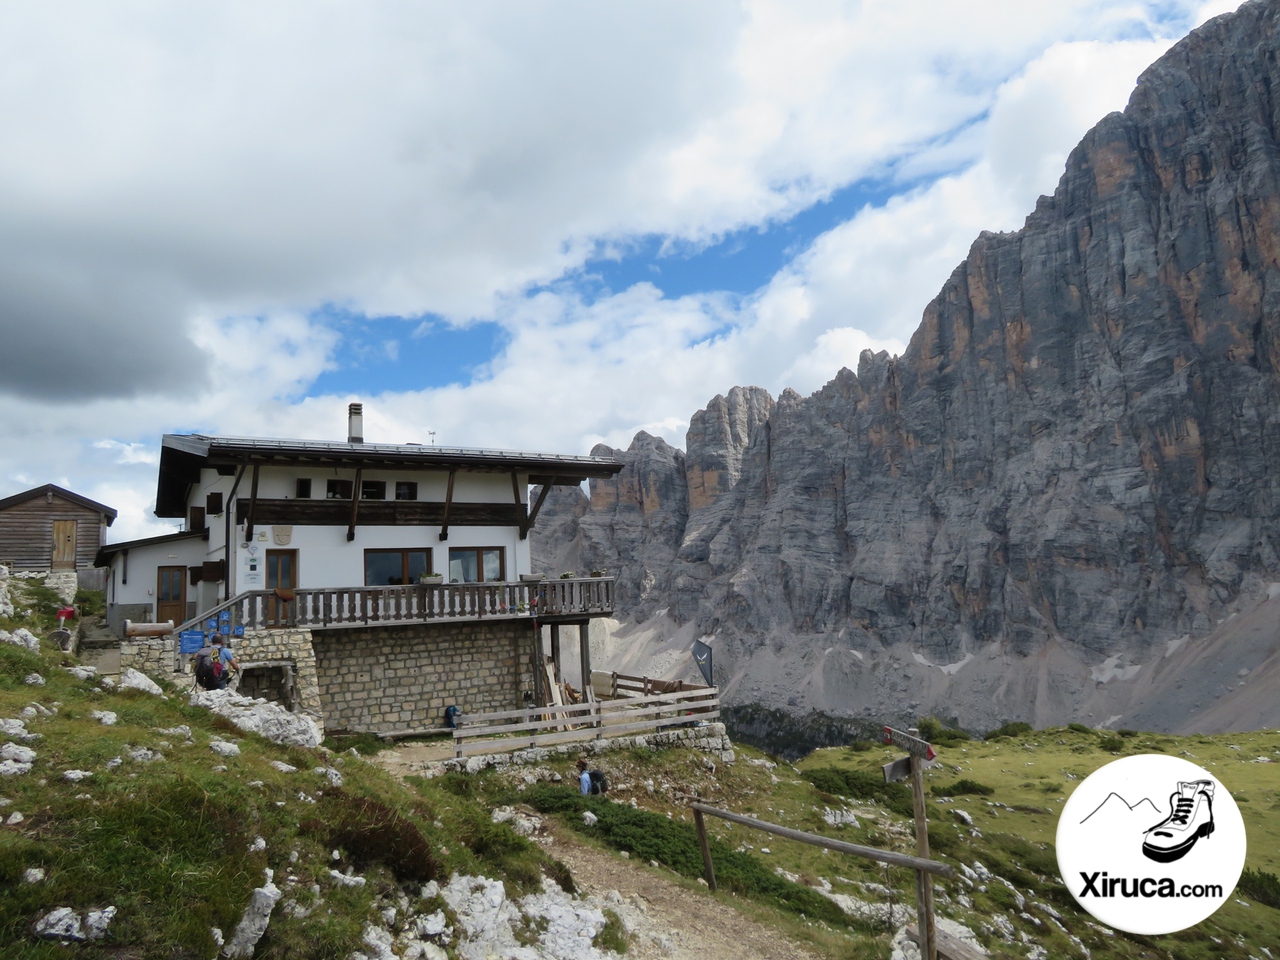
(924, 883)
(706, 849)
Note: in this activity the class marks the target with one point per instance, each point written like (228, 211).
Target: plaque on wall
(282, 535)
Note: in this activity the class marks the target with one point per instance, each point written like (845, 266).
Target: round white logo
(1151, 844)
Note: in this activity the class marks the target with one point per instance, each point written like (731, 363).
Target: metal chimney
(355, 423)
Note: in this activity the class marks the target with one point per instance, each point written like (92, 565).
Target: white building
(293, 516)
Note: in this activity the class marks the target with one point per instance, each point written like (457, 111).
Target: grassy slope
(167, 842)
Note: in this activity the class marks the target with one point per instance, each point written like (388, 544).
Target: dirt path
(668, 921)
(675, 922)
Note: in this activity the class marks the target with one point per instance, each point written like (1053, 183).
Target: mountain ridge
(1072, 463)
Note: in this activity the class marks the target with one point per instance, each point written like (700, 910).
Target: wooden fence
(946, 947)
(509, 730)
(621, 685)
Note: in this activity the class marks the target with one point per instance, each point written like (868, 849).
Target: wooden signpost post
(911, 766)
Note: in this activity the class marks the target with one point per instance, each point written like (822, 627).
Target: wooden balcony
(548, 601)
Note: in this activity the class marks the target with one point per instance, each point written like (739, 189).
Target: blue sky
(259, 215)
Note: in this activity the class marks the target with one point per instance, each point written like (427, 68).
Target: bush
(961, 787)
(1111, 744)
(1080, 728)
(1260, 886)
(862, 786)
(933, 730)
(1015, 729)
(371, 832)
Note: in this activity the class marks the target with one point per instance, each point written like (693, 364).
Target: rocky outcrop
(1076, 460)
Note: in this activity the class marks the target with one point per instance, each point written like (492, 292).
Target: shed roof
(182, 456)
(37, 492)
(107, 551)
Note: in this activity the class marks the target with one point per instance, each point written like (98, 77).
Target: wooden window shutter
(197, 519)
(197, 574)
(213, 504)
(215, 570)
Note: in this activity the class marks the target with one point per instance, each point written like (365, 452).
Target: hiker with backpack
(214, 664)
(591, 781)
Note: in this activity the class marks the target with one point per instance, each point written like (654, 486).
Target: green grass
(962, 787)
(168, 842)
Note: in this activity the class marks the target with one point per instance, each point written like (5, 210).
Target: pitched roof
(57, 491)
(182, 456)
(107, 551)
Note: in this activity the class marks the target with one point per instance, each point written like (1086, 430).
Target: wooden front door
(64, 545)
(171, 594)
(282, 577)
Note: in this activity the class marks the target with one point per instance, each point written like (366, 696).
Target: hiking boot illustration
(1191, 818)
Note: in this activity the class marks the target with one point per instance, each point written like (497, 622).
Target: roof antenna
(433, 437)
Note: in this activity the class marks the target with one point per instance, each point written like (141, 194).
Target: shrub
(861, 746)
(933, 730)
(862, 786)
(613, 935)
(1260, 886)
(961, 787)
(1111, 744)
(1015, 729)
(371, 832)
(1080, 728)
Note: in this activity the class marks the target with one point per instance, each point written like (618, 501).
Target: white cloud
(180, 190)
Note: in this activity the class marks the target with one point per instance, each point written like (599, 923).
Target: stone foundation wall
(153, 657)
(394, 678)
(294, 645)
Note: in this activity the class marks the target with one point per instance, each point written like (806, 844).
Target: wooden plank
(949, 948)
(924, 883)
(870, 853)
(253, 503)
(382, 513)
(355, 504)
(581, 734)
(578, 713)
(710, 869)
(533, 514)
(448, 502)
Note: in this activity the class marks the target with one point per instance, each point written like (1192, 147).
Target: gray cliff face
(1077, 458)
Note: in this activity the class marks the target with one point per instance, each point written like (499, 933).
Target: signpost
(919, 752)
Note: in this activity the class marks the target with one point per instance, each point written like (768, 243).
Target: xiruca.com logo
(1144, 864)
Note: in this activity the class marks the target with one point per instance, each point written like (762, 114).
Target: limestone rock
(1073, 460)
(262, 717)
(61, 923)
(224, 749)
(131, 679)
(22, 637)
(253, 923)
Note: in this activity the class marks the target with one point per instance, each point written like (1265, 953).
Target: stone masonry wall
(294, 645)
(395, 678)
(155, 657)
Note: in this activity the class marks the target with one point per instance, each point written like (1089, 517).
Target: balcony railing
(319, 608)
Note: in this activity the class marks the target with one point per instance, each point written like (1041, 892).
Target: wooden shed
(49, 528)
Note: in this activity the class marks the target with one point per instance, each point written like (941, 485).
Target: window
(383, 568)
(338, 489)
(373, 490)
(406, 490)
(304, 488)
(476, 564)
